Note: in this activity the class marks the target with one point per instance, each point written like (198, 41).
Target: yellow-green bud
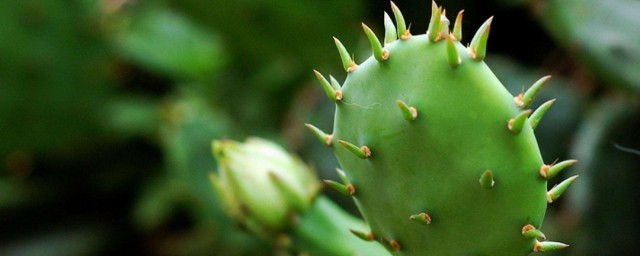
(261, 184)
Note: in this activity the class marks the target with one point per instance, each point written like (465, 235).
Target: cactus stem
(529, 231)
(548, 246)
(409, 113)
(551, 170)
(390, 33)
(347, 62)
(347, 190)
(452, 53)
(361, 152)
(326, 139)
(403, 33)
(537, 115)
(435, 22)
(516, 124)
(523, 100)
(478, 47)
(378, 52)
(486, 179)
(364, 236)
(559, 189)
(422, 218)
(457, 27)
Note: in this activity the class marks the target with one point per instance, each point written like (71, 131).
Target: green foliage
(601, 34)
(168, 43)
(52, 64)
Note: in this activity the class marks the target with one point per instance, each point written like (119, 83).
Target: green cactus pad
(430, 165)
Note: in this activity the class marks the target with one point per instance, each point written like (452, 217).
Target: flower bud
(261, 184)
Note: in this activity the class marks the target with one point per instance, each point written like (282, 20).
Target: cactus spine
(444, 160)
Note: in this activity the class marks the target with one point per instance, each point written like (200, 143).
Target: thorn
(332, 93)
(347, 190)
(351, 189)
(486, 179)
(443, 30)
(435, 23)
(336, 86)
(403, 33)
(288, 193)
(537, 115)
(334, 83)
(364, 236)
(395, 245)
(457, 27)
(529, 231)
(548, 246)
(379, 53)
(409, 113)
(523, 100)
(516, 124)
(391, 246)
(361, 152)
(326, 139)
(390, 33)
(478, 47)
(559, 189)
(452, 53)
(551, 170)
(343, 176)
(422, 218)
(347, 62)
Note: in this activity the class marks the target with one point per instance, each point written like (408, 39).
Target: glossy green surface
(433, 164)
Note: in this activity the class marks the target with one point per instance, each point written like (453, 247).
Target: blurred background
(108, 109)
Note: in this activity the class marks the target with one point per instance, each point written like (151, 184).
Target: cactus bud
(261, 184)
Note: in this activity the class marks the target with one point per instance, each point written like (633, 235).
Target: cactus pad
(444, 160)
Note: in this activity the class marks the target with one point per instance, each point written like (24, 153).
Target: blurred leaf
(272, 46)
(600, 201)
(605, 34)
(53, 75)
(258, 31)
(130, 116)
(167, 42)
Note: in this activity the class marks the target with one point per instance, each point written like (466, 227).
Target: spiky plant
(439, 157)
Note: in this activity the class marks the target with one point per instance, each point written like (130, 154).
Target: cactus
(438, 156)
